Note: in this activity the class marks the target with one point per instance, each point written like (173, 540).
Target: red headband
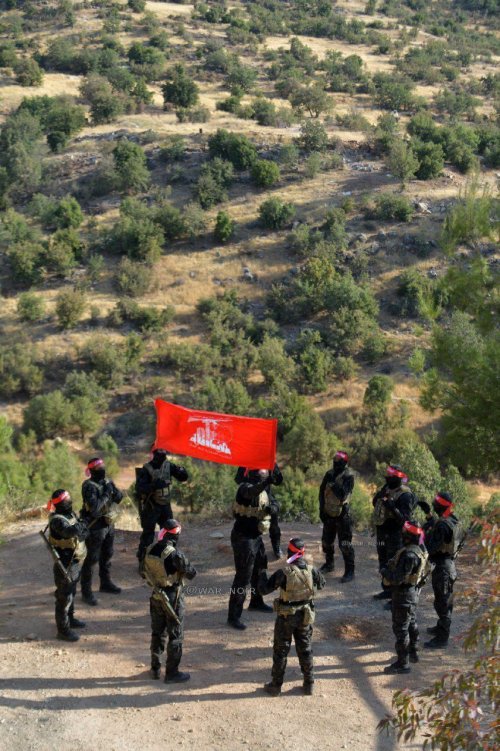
(93, 465)
(391, 472)
(444, 502)
(295, 549)
(413, 529)
(174, 531)
(64, 496)
(341, 455)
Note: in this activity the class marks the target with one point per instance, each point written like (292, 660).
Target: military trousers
(404, 621)
(286, 629)
(389, 541)
(444, 576)
(152, 514)
(100, 543)
(338, 527)
(249, 560)
(162, 627)
(65, 595)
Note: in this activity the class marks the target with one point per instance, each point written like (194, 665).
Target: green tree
(68, 213)
(28, 72)
(70, 307)
(313, 137)
(312, 99)
(180, 90)
(130, 167)
(48, 415)
(30, 307)
(237, 149)
(401, 160)
(106, 104)
(430, 157)
(265, 173)
(224, 227)
(275, 213)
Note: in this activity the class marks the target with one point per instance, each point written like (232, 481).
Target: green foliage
(30, 307)
(430, 158)
(265, 173)
(311, 99)
(308, 442)
(210, 489)
(373, 424)
(141, 239)
(401, 160)
(47, 415)
(314, 360)
(471, 218)
(312, 164)
(237, 149)
(274, 363)
(28, 72)
(130, 167)
(62, 250)
(361, 507)
(392, 93)
(173, 149)
(79, 384)
(107, 361)
(313, 137)
(418, 295)
(297, 498)
(224, 227)
(147, 319)
(180, 90)
(462, 383)
(215, 178)
(289, 156)
(105, 103)
(67, 213)
(70, 307)
(19, 371)
(223, 395)
(133, 279)
(275, 213)
(390, 207)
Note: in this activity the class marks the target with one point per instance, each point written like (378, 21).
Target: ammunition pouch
(111, 514)
(332, 504)
(286, 609)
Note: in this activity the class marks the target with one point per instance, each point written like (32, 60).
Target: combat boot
(327, 567)
(110, 587)
(384, 595)
(348, 576)
(89, 598)
(278, 553)
(236, 623)
(260, 605)
(76, 622)
(68, 635)
(397, 668)
(436, 643)
(177, 677)
(272, 689)
(413, 655)
(308, 688)
(432, 630)
(155, 673)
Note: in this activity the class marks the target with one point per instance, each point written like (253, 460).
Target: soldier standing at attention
(405, 574)
(153, 483)
(67, 535)
(165, 567)
(334, 494)
(252, 511)
(443, 537)
(100, 497)
(274, 526)
(392, 505)
(295, 615)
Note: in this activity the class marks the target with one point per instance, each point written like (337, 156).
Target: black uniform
(248, 547)
(163, 625)
(274, 527)
(67, 535)
(97, 496)
(439, 535)
(397, 505)
(342, 481)
(155, 505)
(291, 627)
(404, 600)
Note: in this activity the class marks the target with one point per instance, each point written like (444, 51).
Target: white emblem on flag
(210, 435)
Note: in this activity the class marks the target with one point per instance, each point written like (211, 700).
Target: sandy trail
(97, 693)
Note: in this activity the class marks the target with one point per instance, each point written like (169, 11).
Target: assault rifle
(165, 603)
(55, 555)
(462, 541)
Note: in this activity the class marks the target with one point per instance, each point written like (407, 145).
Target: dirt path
(97, 693)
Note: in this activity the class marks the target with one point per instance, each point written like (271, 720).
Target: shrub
(26, 261)
(275, 213)
(30, 307)
(430, 158)
(106, 104)
(401, 160)
(133, 279)
(107, 360)
(265, 173)
(224, 227)
(313, 137)
(391, 207)
(312, 99)
(393, 94)
(264, 111)
(67, 213)
(28, 72)
(70, 307)
(195, 221)
(130, 167)
(308, 443)
(19, 372)
(315, 362)
(61, 251)
(289, 156)
(138, 6)
(47, 415)
(215, 177)
(180, 90)
(199, 114)
(237, 149)
(173, 149)
(79, 384)
(297, 498)
(417, 295)
(147, 319)
(140, 239)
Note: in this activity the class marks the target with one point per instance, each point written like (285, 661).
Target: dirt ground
(97, 693)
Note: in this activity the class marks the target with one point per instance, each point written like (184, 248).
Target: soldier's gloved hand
(424, 506)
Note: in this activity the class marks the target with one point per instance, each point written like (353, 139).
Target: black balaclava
(257, 475)
(98, 474)
(439, 508)
(170, 537)
(63, 507)
(159, 456)
(391, 481)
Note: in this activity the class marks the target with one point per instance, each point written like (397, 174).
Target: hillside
(362, 124)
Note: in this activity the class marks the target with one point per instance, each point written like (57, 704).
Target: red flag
(225, 439)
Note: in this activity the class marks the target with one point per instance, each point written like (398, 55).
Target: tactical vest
(381, 512)
(457, 532)
(110, 511)
(71, 543)
(257, 512)
(424, 566)
(298, 595)
(333, 505)
(160, 495)
(154, 568)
